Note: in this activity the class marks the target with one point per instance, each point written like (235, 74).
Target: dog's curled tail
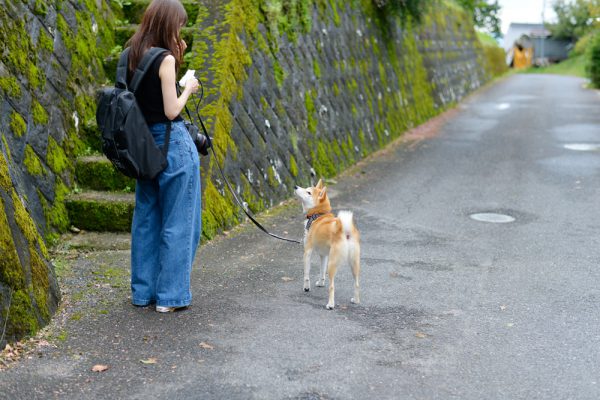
(347, 222)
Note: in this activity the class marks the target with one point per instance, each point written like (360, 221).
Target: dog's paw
(354, 301)
(330, 306)
(320, 283)
(307, 285)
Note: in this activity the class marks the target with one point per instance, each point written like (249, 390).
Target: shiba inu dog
(335, 239)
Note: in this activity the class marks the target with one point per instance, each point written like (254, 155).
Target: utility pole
(543, 32)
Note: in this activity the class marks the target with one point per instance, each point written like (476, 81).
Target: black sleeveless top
(149, 94)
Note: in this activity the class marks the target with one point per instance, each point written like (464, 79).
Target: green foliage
(486, 14)
(593, 60)
(582, 44)
(387, 11)
(494, 55)
(574, 18)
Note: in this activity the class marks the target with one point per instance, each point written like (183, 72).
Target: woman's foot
(166, 309)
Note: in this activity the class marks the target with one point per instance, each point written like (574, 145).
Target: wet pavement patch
(491, 217)
(582, 146)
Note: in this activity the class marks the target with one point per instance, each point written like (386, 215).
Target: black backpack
(126, 140)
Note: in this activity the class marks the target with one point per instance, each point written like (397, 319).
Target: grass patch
(574, 66)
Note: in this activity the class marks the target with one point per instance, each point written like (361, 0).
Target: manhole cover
(582, 146)
(492, 217)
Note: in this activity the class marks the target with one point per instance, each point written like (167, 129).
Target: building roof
(516, 30)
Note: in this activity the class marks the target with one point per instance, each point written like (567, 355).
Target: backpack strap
(143, 67)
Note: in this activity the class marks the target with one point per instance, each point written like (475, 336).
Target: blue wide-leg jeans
(166, 224)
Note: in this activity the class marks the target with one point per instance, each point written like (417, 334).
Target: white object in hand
(189, 74)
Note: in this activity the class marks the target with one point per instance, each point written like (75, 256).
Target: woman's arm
(173, 104)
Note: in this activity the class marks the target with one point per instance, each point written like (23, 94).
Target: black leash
(262, 228)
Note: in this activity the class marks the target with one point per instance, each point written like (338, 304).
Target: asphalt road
(452, 308)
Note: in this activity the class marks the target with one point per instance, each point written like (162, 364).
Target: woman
(167, 218)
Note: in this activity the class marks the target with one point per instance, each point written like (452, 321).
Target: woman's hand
(192, 85)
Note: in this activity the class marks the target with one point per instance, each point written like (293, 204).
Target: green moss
(10, 265)
(316, 69)
(5, 181)
(40, 283)
(280, 74)
(217, 212)
(56, 157)
(255, 203)
(100, 215)
(32, 162)
(100, 174)
(336, 89)
(293, 166)
(40, 116)
(17, 124)
(40, 7)
(21, 315)
(27, 225)
(323, 162)
(56, 214)
(45, 42)
(271, 177)
(310, 112)
(35, 76)
(10, 86)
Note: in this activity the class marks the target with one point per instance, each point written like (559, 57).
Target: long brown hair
(160, 27)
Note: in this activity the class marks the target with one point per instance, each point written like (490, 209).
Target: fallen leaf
(287, 279)
(206, 346)
(420, 335)
(151, 360)
(99, 368)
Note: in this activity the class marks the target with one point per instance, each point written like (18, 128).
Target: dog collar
(311, 218)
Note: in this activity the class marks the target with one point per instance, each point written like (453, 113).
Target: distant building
(537, 42)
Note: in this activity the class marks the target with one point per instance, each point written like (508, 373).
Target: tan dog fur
(335, 239)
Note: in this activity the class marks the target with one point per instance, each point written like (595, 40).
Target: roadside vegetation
(579, 22)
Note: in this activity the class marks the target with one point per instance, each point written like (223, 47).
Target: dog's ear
(323, 193)
(320, 184)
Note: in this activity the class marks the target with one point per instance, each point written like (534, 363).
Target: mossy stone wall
(295, 89)
(51, 55)
(302, 89)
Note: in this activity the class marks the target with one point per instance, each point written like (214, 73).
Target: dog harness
(311, 218)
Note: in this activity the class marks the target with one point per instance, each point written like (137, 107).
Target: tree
(485, 14)
(593, 60)
(574, 18)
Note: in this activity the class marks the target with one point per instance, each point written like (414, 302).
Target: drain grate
(494, 218)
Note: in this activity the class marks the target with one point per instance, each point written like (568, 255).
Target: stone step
(134, 10)
(101, 211)
(96, 172)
